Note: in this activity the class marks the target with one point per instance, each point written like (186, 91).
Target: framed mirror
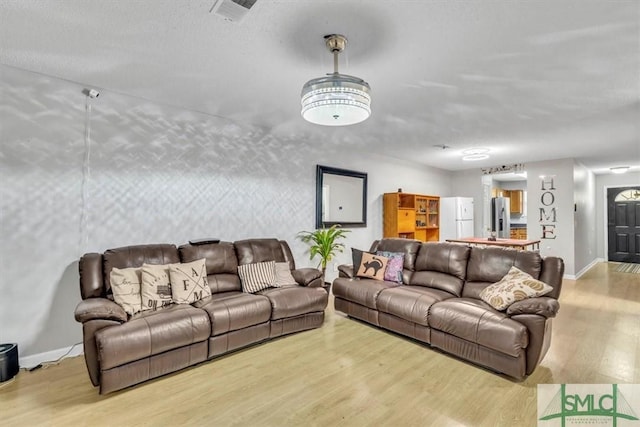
(341, 197)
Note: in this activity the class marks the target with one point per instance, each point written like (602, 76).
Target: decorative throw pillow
(283, 275)
(356, 256)
(189, 281)
(393, 272)
(516, 285)
(257, 276)
(156, 286)
(372, 266)
(125, 285)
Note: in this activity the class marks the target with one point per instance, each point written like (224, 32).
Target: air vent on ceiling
(232, 10)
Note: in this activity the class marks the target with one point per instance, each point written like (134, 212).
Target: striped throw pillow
(258, 276)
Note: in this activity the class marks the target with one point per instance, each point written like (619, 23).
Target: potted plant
(324, 243)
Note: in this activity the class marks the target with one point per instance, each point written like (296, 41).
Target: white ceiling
(530, 80)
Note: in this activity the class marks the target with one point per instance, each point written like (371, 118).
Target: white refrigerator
(456, 218)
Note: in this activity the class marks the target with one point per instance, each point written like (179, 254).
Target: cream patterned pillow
(283, 275)
(125, 285)
(516, 285)
(156, 286)
(257, 276)
(189, 281)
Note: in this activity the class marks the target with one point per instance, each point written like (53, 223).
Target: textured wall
(152, 174)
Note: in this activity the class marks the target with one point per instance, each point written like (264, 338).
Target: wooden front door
(623, 220)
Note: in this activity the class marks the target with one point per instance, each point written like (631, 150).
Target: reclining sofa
(439, 302)
(122, 350)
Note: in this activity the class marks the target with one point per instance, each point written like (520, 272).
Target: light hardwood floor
(349, 373)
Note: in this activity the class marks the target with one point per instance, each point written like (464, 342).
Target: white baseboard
(50, 356)
(584, 270)
(587, 268)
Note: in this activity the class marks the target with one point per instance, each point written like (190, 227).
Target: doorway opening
(623, 224)
(510, 189)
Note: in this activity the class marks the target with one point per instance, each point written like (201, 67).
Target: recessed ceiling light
(619, 169)
(474, 154)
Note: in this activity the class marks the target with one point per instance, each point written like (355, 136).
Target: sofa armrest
(99, 308)
(346, 270)
(311, 277)
(543, 306)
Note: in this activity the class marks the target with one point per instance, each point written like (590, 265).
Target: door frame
(605, 224)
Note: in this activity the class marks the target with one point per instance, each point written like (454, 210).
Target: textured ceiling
(530, 80)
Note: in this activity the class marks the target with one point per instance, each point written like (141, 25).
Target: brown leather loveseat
(439, 302)
(122, 350)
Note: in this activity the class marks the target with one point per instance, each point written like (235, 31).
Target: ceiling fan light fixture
(337, 99)
(619, 169)
(475, 154)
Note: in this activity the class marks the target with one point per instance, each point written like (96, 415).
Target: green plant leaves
(324, 243)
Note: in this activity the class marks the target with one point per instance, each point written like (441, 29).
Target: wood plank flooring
(349, 373)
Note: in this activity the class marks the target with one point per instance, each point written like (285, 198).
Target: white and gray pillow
(257, 276)
(125, 286)
(283, 275)
(156, 286)
(189, 281)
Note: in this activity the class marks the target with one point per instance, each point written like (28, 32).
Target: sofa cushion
(489, 265)
(221, 261)
(125, 285)
(283, 275)
(155, 290)
(189, 281)
(477, 322)
(259, 250)
(393, 271)
(360, 291)
(408, 247)
(410, 303)
(257, 276)
(231, 311)
(516, 285)
(151, 332)
(372, 266)
(442, 266)
(220, 258)
(295, 300)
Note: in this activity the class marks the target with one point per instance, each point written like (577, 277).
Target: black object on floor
(8, 361)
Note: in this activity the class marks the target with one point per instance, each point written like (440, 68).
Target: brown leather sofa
(439, 303)
(122, 350)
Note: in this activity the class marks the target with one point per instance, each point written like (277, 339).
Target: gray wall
(153, 174)
(584, 197)
(469, 184)
(561, 171)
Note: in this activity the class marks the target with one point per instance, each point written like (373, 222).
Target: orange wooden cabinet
(519, 233)
(515, 200)
(411, 216)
